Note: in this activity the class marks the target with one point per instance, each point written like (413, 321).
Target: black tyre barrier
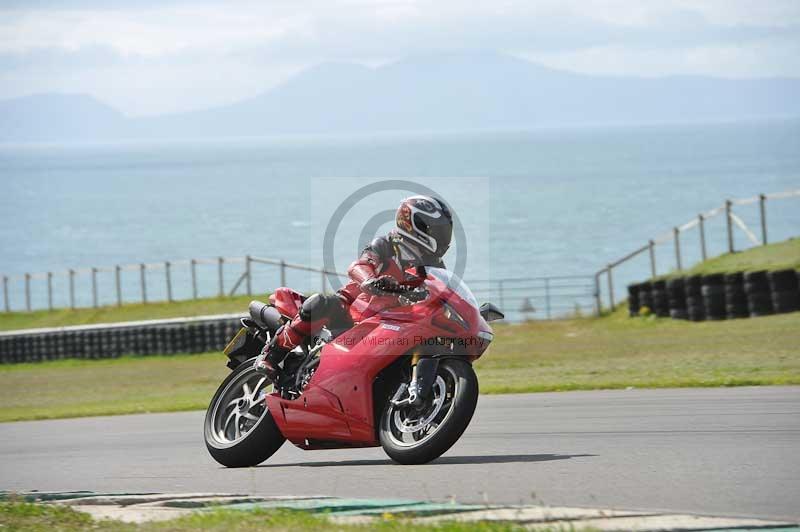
(785, 289)
(695, 308)
(676, 297)
(633, 299)
(787, 301)
(646, 295)
(783, 280)
(759, 297)
(735, 297)
(713, 290)
(719, 296)
(756, 281)
(114, 340)
(660, 300)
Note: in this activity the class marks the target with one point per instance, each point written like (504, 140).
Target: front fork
(423, 376)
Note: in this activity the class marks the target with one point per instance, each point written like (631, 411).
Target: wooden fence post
(5, 293)
(728, 205)
(28, 292)
(598, 303)
(701, 224)
(49, 290)
(676, 233)
(72, 289)
(220, 261)
(143, 280)
(194, 278)
(610, 289)
(652, 245)
(168, 275)
(249, 269)
(283, 273)
(762, 204)
(118, 283)
(94, 287)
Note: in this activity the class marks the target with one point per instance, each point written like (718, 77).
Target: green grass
(15, 515)
(582, 354)
(778, 256)
(129, 312)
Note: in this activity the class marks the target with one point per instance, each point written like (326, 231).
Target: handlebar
(411, 290)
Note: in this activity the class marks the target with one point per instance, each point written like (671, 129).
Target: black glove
(383, 285)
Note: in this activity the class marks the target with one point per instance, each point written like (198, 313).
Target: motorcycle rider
(424, 229)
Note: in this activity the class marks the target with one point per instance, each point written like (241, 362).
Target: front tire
(239, 429)
(417, 436)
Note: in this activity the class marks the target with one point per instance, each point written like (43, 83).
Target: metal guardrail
(731, 221)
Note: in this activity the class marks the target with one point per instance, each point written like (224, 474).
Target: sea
(532, 204)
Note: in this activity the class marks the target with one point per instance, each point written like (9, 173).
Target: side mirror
(490, 312)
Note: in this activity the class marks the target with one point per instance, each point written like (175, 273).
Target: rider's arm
(372, 260)
(369, 265)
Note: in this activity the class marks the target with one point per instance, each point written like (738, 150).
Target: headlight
(451, 314)
(483, 335)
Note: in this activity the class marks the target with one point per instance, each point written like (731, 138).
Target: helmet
(427, 222)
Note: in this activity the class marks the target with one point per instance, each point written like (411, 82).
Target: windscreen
(453, 282)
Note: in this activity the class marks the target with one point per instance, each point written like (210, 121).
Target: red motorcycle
(401, 377)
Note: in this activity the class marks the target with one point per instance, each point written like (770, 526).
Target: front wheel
(412, 435)
(239, 429)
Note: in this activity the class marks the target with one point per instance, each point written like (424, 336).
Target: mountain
(59, 117)
(433, 92)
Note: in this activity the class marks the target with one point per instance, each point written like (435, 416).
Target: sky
(151, 57)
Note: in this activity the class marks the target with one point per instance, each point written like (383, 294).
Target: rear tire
(237, 440)
(460, 386)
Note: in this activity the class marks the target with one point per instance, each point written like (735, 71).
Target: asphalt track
(732, 451)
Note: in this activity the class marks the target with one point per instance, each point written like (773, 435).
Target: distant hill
(59, 117)
(420, 93)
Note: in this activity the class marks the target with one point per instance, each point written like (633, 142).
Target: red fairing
(287, 301)
(336, 408)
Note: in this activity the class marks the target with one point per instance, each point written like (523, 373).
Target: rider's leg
(315, 312)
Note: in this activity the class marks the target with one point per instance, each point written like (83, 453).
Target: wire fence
(733, 221)
(149, 282)
(539, 298)
(521, 298)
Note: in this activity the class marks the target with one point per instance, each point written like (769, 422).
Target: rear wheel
(412, 435)
(239, 429)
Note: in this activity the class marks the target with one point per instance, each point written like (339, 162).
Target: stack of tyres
(660, 301)
(633, 300)
(695, 307)
(785, 290)
(714, 296)
(646, 295)
(759, 296)
(676, 296)
(735, 298)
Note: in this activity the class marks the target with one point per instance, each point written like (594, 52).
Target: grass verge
(46, 517)
(128, 312)
(582, 354)
(778, 256)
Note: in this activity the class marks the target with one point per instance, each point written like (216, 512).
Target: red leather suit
(383, 256)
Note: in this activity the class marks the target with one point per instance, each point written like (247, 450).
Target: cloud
(85, 41)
